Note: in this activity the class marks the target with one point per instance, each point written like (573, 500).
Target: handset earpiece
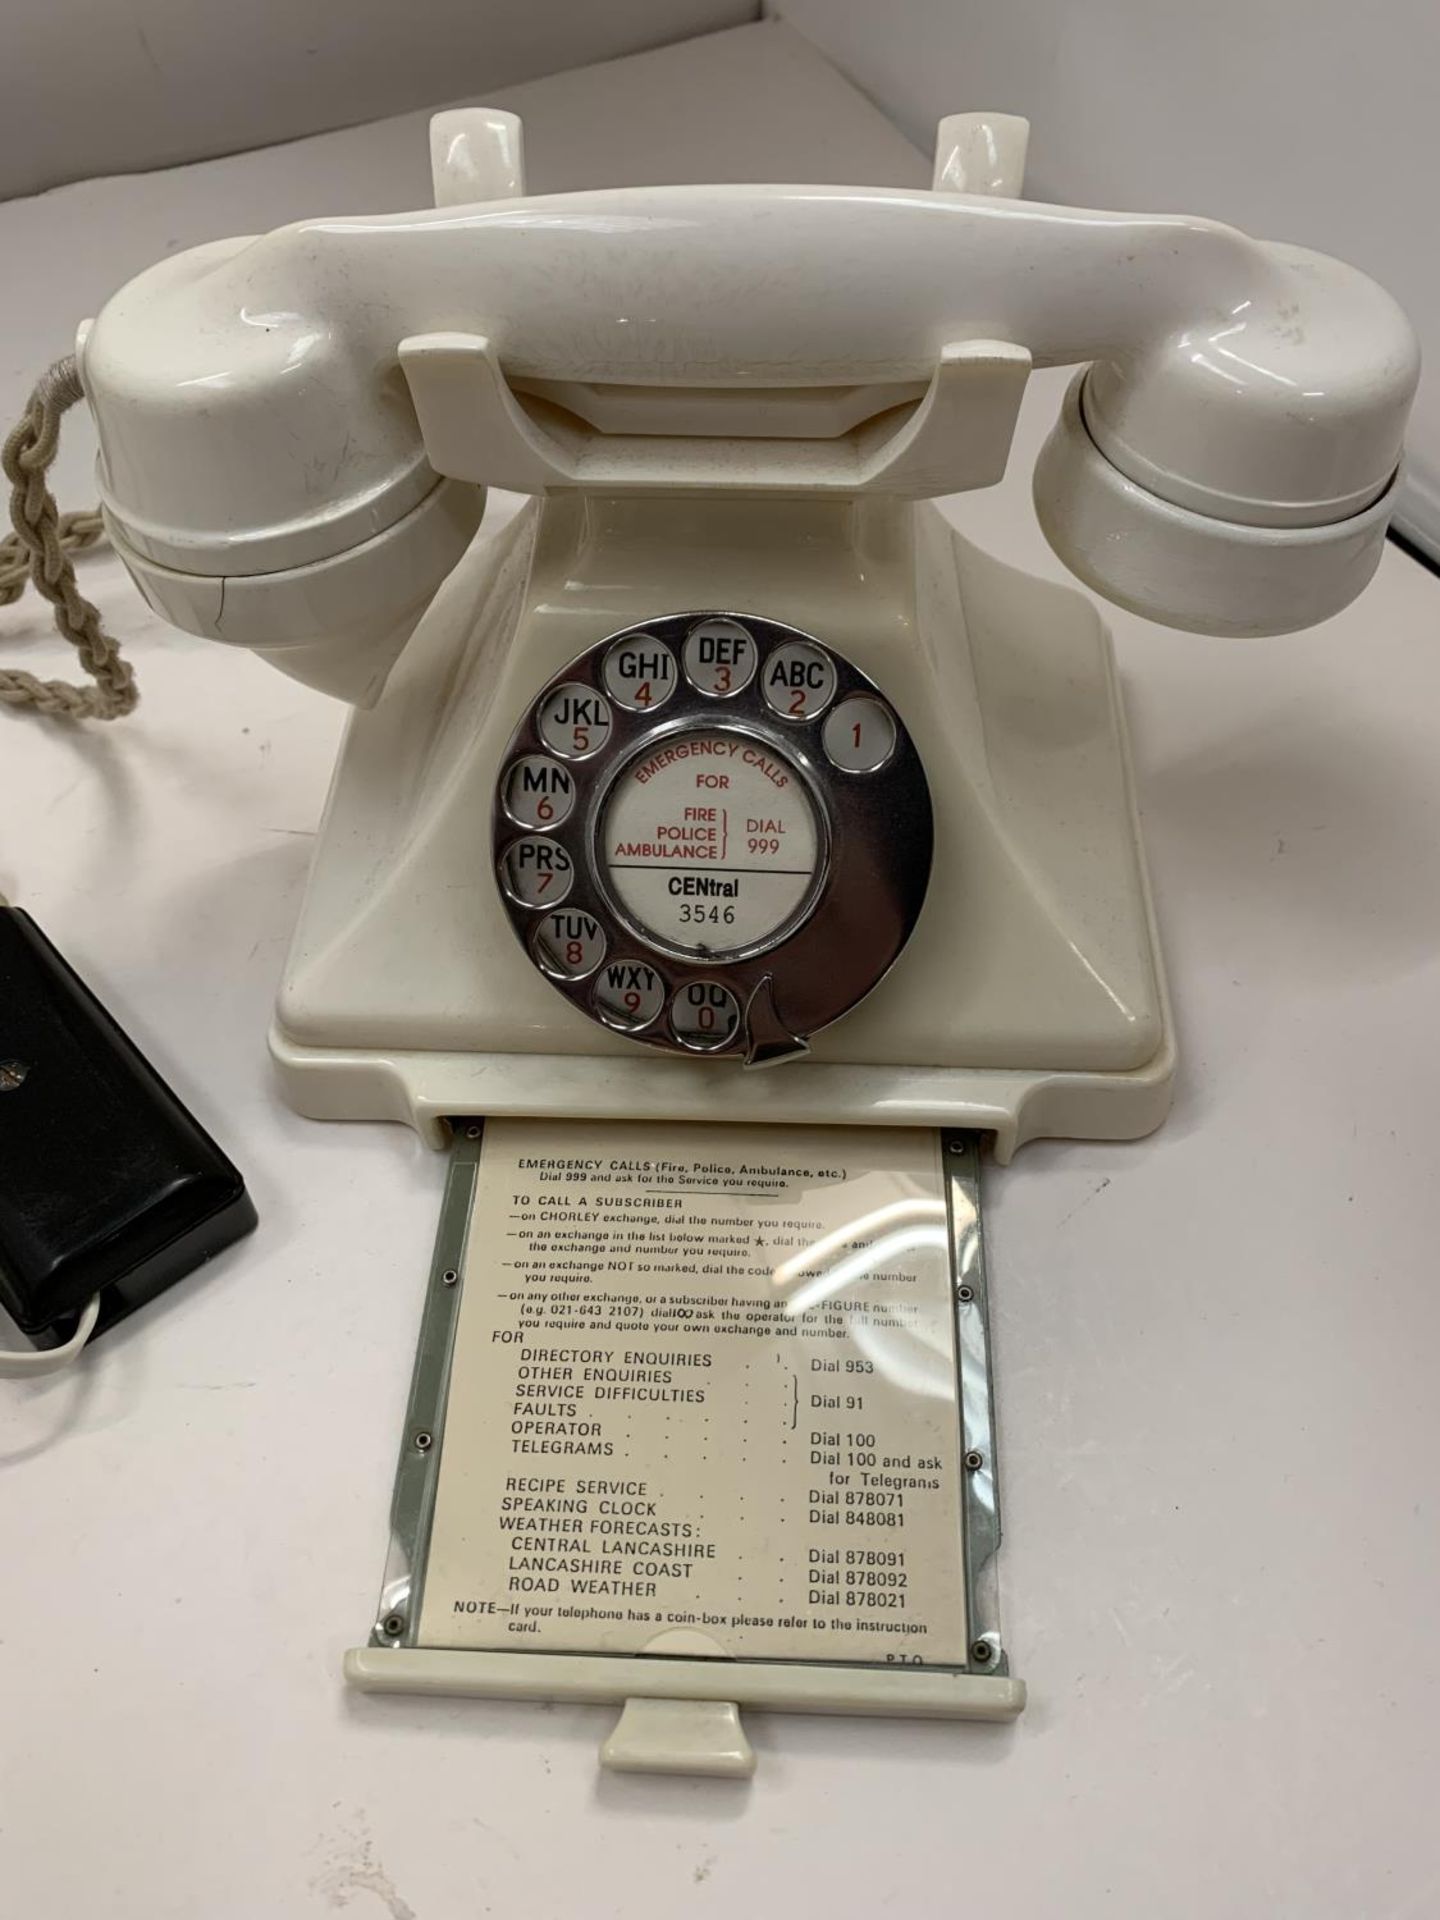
(1232, 467)
(1187, 569)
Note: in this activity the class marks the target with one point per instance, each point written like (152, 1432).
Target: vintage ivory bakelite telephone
(728, 751)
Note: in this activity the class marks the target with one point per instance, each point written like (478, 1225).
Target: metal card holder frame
(682, 1714)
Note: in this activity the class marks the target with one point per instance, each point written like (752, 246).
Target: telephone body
(727, 751)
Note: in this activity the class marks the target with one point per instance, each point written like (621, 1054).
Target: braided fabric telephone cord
(39, 549)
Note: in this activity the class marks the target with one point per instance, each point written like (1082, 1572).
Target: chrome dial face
(712, 833)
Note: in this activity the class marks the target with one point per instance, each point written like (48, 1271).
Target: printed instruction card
(703, 1398)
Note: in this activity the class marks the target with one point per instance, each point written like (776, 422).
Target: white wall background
(1314, 121)
(111, 86)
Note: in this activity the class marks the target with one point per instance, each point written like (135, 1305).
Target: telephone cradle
(726, 750)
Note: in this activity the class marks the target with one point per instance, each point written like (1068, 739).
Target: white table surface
(1216, 1348)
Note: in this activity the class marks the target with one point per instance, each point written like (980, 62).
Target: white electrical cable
(32, 1366)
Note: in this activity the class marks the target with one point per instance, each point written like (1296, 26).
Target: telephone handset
(731, 409)
(713, 834)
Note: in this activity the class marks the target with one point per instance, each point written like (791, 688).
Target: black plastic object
(107, 1184)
